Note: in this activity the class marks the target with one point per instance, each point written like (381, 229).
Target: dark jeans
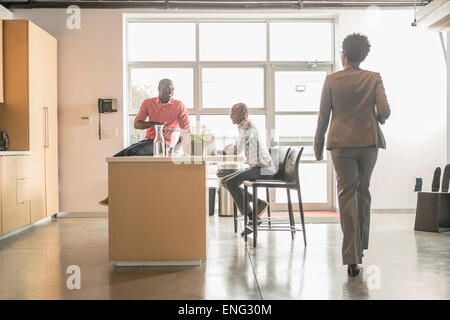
(233, 183)
(141, 148)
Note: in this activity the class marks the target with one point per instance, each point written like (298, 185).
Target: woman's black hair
(356, 47)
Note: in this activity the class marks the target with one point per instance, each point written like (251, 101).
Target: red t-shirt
(173, 113)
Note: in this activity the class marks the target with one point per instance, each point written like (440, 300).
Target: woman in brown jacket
(357, 102)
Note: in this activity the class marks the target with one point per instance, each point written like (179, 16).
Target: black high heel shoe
(353, 270)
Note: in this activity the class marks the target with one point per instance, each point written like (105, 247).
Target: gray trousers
(354, 168)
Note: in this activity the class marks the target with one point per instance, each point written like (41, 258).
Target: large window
(235, 41)
(223, 87)
(277, 67)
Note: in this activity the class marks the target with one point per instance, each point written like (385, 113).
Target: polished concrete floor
(400, 264)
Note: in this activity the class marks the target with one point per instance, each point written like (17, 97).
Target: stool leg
(291, 214)
(235, 217)
(255, 215)
(268, 208)
(245, 212)
(220, 200)
(300, 204)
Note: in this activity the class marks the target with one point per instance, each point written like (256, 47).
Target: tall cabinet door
(1, 63)
(51, 149)
(1, 232)
(37, 122)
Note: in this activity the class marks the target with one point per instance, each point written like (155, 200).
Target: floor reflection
(411, 265)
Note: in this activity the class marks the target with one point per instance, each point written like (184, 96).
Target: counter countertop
(14, 153)
(179, 159)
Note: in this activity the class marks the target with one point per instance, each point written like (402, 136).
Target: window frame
(269, 67)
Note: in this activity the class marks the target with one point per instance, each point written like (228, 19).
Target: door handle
(48, 129)
(44, 131)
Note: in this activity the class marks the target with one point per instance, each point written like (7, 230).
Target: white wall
(410, 61)
(89, 67)
(448, 97)
(5, 14)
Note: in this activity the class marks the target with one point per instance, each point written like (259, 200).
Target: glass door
(296, 102)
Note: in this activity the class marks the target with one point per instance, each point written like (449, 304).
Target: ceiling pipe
(207, 4)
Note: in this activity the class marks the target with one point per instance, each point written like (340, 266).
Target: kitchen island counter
(158, 209)
(180, 159)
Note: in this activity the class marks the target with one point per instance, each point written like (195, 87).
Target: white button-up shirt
(249, 141)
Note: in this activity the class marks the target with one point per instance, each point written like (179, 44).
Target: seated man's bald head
(239, 112)
(241, 107)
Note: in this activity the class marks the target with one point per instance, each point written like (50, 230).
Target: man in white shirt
(258, 158)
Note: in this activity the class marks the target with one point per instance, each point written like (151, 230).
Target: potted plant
(200, 141)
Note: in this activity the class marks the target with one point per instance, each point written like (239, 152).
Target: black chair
(433, 208)
(291, 180)
(279, 156)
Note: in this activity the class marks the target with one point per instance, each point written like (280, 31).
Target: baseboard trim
(94, 214)
(393, 211)
(12, 233)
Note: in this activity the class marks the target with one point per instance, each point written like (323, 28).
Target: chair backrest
(279, 156)
(291, 165)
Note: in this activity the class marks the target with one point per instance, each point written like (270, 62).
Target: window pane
(144, 84)
(221, 126)
(232, 41)
(192, 121)
(313, 184)
(298, 90)
(295, 128)
(307, 41)
(226, 132)
(145, 39)
(224, 87)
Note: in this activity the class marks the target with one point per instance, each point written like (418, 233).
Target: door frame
(330, 205)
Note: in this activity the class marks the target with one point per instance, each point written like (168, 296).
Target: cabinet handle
(44, 131)
(47, 128)
(46, 135)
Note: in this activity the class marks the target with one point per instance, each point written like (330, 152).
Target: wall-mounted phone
(105, 106)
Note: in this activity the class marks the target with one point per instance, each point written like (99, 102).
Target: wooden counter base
(157, 212)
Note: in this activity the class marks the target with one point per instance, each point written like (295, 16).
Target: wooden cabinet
(51, 149)
(15, 192)
(29, 114)
(1, 62)
(15, 113)
(1, 203)
(43, 121)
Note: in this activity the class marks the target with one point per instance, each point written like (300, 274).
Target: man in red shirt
(159, 110)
